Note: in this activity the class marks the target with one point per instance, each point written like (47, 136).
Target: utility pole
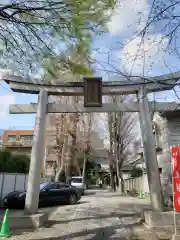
(149, 150)
(37, 154)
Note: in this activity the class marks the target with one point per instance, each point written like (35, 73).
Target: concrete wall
(162, 135)
(169, 134)
(174, 130)
(139, 184)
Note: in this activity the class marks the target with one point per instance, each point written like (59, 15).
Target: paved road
(99, 215)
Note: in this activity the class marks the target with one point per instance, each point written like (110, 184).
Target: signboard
(175, 153)
(92, 92)
(177, 201)
(176, 161)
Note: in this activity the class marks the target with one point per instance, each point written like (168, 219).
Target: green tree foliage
(34, 30)
(21, 163)
(136, 172)
(13, 163)
(91, 164)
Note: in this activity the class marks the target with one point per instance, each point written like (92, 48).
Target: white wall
(139, 184)
(163, 142)
(174, 131)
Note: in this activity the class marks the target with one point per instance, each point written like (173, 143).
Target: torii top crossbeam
(131, 86)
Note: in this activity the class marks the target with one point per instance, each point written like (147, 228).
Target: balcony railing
(19, 144)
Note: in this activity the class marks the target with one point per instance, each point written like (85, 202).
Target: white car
(78, 183)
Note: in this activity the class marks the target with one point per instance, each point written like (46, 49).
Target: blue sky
(152, 60)
(22, 121)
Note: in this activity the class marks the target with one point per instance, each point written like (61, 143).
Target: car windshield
(76, 180)
(43, 185)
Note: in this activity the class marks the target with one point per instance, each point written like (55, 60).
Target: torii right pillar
(149, 151)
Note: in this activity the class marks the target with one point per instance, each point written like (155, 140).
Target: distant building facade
(1, 138)
(18, 140)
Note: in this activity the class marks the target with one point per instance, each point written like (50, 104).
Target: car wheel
(72, 199)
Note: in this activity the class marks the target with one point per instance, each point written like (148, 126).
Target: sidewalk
(100, 216)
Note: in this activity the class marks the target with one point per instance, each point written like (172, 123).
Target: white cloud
(129, 16)
(141, 57)
(5, 101)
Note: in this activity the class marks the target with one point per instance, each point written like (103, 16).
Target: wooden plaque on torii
(93, 92)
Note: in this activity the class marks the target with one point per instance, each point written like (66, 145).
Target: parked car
(50, 193)
(78, 183)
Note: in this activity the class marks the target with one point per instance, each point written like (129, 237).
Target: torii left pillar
(34, 178)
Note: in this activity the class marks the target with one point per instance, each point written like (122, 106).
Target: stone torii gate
(140, 88)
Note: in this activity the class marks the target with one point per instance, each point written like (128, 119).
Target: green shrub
(136, 172)
(14, 163)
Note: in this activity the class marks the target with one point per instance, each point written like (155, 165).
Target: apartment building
(1, 137)
(18, 140)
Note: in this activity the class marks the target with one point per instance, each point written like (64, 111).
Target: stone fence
(138, 184)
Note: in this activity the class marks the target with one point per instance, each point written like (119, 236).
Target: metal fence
(13, 182)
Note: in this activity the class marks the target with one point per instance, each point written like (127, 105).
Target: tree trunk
(78, 170)
(111, 169)
(118, 179)
(114, 182)
(73, 133)
(60, 124)
(54, 169)
(68, 158)
(59, 171)
(111, 176)
(122, 182)
(84, 167)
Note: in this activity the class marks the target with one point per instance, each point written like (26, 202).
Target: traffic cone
(5, 226)
(140, 195)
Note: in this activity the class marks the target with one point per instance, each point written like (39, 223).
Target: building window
(26, 138)
(12, 138)
(18, 138)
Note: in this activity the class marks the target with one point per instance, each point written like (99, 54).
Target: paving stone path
(100, 215)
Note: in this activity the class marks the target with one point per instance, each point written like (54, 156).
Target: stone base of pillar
(19, 220)
(175, 237)
(162, 221)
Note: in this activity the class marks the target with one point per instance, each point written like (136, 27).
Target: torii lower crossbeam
(106, 107)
